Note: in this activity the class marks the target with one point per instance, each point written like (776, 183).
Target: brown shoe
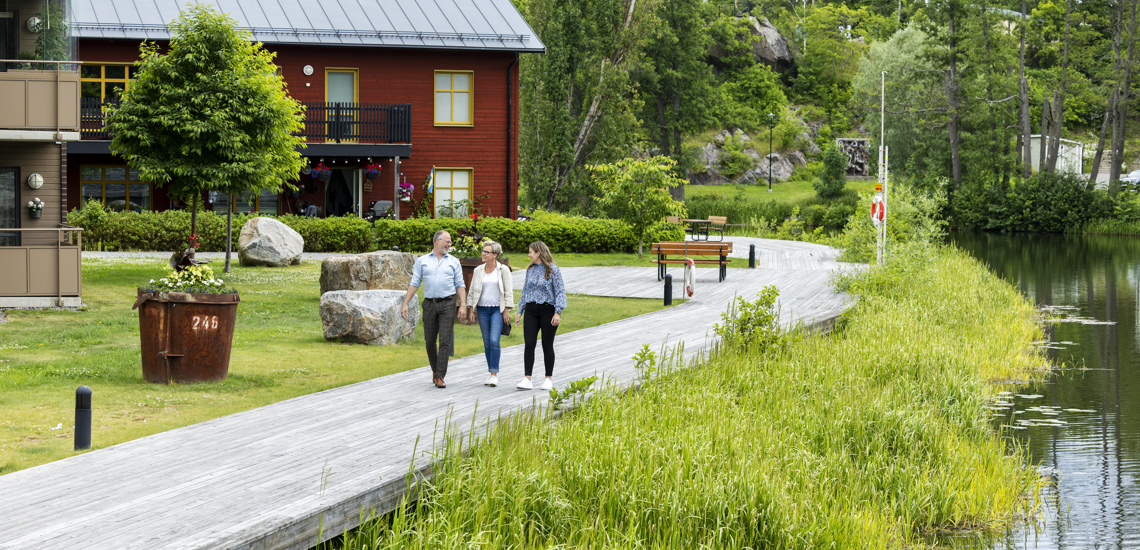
(439, 383)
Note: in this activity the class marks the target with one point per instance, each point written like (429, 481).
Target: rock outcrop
(266, 241)
(781, 170)
(384, 269)
(710, 160)
(369, 317)
(771, 49)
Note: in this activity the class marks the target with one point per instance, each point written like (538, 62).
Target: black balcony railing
(93, 117)
(359, 122)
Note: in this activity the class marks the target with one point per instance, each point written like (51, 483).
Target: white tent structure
(1070, 155)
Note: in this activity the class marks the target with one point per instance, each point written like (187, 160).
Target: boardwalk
(273, 476)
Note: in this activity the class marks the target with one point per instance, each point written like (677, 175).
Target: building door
(339, 192)
(9, 207)
(341, 96)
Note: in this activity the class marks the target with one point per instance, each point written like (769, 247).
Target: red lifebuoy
(877, 209)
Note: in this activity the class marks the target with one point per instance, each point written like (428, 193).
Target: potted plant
(321, 172)
(406, 191)
(372, 171)
(35, 208)
(186, 323)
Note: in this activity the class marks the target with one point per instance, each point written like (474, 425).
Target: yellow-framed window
(106, 80)
(452, 190)
(116, 186)
(454, 98)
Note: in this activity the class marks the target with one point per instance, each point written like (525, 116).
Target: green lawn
(279, 352)
(788, 191)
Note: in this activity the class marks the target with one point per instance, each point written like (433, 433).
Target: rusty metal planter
(186, 337)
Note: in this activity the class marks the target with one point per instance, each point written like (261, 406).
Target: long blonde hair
(544, 256)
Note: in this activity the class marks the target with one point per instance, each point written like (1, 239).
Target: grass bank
(875, 436)
(1110, 226)
(279, 352)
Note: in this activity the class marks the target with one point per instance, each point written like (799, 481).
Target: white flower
(30, 205)
(152, 281)
(220, 281)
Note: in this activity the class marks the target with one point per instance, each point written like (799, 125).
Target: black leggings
(534, 317)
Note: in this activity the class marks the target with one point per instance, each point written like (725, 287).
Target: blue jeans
(491, 325)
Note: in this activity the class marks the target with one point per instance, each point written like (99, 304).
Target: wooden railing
(359, 122)
(53, 268)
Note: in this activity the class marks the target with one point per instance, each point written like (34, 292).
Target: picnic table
(688, 249)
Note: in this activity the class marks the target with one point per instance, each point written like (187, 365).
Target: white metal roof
(436, 24)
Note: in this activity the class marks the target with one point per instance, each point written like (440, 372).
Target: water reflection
(1083, 424)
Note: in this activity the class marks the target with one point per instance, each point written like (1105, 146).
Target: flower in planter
(198, 279)
(321, 172)
(372, 171)
(35, 205)
(406, 191)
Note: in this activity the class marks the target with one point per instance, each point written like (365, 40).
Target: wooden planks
(272, 476)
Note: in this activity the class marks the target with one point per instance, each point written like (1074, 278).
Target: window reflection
(116, 196)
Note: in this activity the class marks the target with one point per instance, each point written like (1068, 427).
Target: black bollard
(668, 290)
(82, 418)
(751, 256)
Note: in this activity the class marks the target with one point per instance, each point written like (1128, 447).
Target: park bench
(690, 249)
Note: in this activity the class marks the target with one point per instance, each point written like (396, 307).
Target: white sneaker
(492, 381)
(525, 384)
(547, 385)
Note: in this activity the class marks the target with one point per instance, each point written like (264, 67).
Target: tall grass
(871, 437)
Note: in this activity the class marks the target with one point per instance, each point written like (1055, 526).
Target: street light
(771, 126)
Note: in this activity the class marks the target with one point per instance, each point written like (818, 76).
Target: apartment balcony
(339, 123)
(39, 105)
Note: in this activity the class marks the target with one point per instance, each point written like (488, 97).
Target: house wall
(43, 159)
(393, 75)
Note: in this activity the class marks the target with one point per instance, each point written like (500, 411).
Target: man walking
(442, 279)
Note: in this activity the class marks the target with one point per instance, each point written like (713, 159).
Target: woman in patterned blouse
(542, 301)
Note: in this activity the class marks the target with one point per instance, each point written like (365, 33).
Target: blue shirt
(540, 290)
(440, 277)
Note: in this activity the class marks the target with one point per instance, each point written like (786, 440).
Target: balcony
(39, 105)
(324, 122)
(41, 275)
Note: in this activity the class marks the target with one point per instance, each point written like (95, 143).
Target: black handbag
(506, 329)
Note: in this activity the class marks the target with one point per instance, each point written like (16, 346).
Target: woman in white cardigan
(490, 298)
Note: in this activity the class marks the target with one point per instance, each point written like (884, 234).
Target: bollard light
(751, 256)
(82, 418)
(668, 290)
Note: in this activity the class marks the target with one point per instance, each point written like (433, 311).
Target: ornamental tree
(209, 114)
(636, 191)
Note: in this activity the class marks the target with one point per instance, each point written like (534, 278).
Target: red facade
(388, 75)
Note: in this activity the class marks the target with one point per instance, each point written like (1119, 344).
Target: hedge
(561, 235)
(170, 230)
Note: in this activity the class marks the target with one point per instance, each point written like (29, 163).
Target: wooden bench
(689, 249)
(716, 223)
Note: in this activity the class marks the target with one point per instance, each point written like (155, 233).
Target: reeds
(874, 436)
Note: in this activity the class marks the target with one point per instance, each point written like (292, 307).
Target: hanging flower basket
(406, 191)
(321, 172)
(35, 208)
(372, 171)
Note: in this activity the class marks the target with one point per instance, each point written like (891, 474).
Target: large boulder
(781, 170)
(385, 269)
(770, 48)
(266, 241)
(368, 317)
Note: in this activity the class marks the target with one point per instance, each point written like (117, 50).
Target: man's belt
(444, 299)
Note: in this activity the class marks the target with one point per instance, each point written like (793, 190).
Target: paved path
(271, 477)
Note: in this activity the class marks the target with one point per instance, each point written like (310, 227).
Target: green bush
(560, 233)
(733, 160)
(834, 177)
(838, 215)
(737, 208)
(814, 215)
(1050, 203)
(170, 230)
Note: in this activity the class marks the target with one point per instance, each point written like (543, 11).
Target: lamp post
(771, 126)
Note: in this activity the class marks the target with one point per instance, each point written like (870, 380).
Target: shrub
(834, 177)
(736, 208)
(814, 215)
(170, 229)
(560, 233)
(733, 160)
(838, 215)
(912, 217)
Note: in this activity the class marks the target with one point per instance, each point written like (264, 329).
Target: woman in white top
(490, 298)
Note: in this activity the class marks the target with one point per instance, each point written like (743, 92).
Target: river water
(1083, 423)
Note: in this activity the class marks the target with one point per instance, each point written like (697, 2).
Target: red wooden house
(413, 86)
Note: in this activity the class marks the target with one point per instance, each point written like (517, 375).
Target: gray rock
(781, 170)
(385, 269)
(710, 159)
(368, 317)
(266, 241)
(797, 158)
(770, 48)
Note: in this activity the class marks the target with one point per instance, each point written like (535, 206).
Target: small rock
(797, 158)
(368, 317)
(384, 269)
(266, 241)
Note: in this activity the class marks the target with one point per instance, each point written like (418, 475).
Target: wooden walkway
(275, 476)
